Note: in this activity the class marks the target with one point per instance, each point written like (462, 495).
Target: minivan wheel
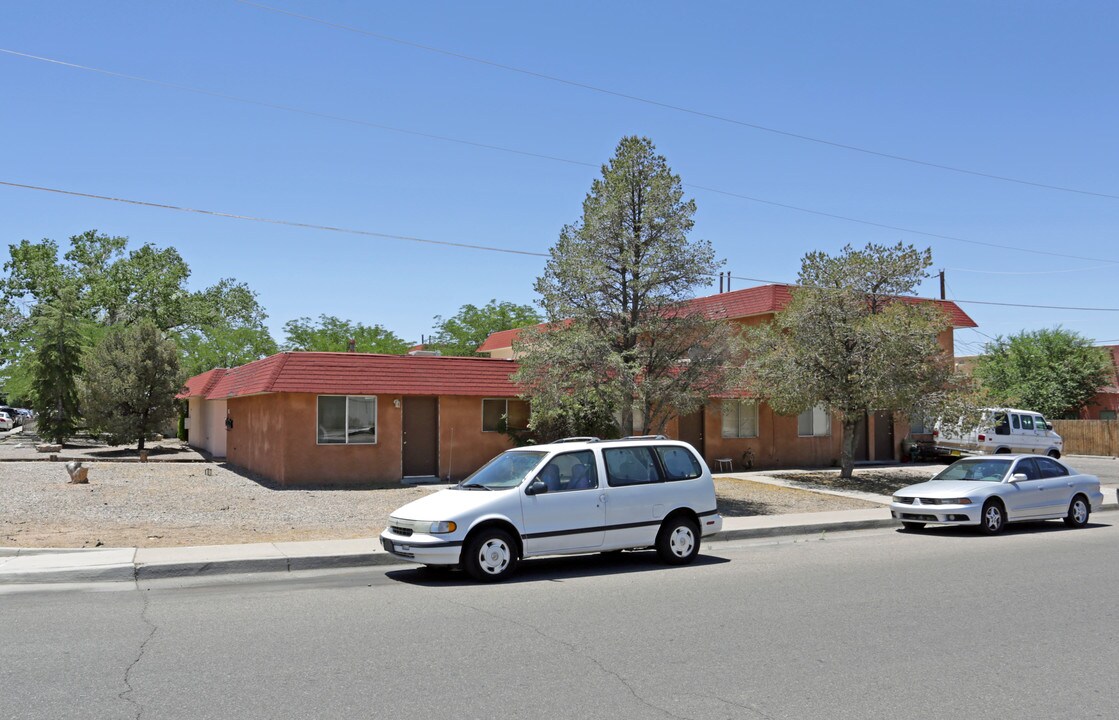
(490, 556)
(1078, 511)
(678, 541)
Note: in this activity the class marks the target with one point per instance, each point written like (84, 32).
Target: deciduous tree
(469, 328)
(330, 333)
(1054, 372)
(852, 342)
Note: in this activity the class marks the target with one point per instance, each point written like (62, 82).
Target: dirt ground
(180, 504)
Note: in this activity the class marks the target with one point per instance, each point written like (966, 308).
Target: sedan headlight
(955, 501)
(442, 527)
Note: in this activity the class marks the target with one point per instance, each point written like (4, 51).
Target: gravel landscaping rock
(178, 504)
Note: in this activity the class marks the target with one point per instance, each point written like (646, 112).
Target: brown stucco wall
(275, 436)
(463, 447)
(777, 443)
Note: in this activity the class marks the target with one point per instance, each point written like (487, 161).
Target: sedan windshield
(504, 471)
(978, 469)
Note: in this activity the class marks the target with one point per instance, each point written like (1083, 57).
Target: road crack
(126, 695)
(579, 653)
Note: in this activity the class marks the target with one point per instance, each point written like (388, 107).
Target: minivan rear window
(678, 463)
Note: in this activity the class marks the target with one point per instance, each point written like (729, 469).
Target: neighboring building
(320, 418)
(748, 432)
(1105, 405)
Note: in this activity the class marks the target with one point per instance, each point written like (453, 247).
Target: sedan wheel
(1055, 454)
(1078, 512)
(993, 518)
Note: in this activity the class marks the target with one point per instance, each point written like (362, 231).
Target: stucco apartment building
(355, 418)
(741, 431)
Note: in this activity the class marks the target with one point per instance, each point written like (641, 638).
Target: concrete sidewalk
(22, 565)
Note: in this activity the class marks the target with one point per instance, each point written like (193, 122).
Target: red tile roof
(760, 300)
(200, 385)
(342, 373)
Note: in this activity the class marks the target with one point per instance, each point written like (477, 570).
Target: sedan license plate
(955, 453)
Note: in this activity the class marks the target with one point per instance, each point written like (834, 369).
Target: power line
(669, 106)
(1028, 272)
(969, 302)
(542, 156)
(388, 236)
(273, 221)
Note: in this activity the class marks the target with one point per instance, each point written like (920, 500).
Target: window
(1107, 414)
(630, 466)
(1029, 468)
(1050, 467)
(347, 420)
(1027, 422)
(1014, 420)
(570, 471)
(678, 463)
(815, 422)
(740, 418)
(513, 412)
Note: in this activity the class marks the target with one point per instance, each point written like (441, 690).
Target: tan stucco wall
(207, 425)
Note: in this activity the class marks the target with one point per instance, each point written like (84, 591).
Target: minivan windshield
(507, 470)
(978, 469)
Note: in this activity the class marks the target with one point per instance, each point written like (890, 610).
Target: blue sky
(1024, 90)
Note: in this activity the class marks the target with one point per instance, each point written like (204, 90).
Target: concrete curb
(42, 566)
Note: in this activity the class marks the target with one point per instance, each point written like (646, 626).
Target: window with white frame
(740, 418)
(347, 420)
(814, 422)
(514, 413)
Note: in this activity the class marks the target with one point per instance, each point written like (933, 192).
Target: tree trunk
(847, 453)
(140, 445)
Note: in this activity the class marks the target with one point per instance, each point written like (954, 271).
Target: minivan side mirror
(536, 487)
(1018, 477)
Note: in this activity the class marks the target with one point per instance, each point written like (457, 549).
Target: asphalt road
(872, 624)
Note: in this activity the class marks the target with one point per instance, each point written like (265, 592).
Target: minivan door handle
(602, 497)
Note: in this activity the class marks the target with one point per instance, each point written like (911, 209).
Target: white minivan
(1002, 430)
(578, 495)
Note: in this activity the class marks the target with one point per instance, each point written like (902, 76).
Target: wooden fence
(1089, 437)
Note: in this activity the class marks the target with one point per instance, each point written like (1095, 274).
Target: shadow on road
(552, 569)
(1034, 527)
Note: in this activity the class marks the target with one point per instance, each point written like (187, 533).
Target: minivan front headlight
(442, 527)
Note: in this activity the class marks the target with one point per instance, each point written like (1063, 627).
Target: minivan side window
(630, 466)
(1014, 419)
(570, 471)
(678, 463)
(1002, 424)
(1027, 422)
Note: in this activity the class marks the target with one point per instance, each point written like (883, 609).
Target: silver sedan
(992, 490)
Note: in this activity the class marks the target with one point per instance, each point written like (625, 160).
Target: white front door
(571, 514)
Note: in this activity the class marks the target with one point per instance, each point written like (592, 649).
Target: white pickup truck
(1002, 430)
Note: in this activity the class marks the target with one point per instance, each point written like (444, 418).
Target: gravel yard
(175, 504)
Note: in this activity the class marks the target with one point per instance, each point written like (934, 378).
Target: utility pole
(942, 294)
